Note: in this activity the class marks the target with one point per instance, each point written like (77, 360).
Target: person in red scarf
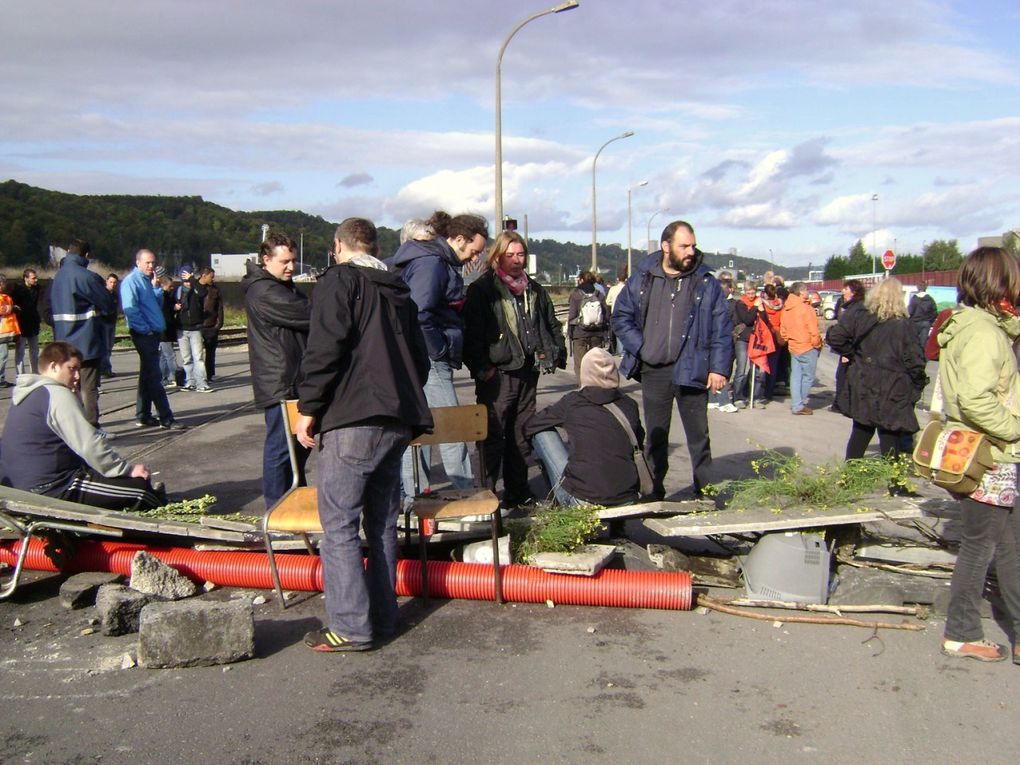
(510, 335)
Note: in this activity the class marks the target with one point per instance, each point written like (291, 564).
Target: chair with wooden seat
(454, 424)
(297, 511)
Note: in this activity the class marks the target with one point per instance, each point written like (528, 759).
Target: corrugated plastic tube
(472, 581)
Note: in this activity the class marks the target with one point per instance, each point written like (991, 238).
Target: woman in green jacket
(981, 390)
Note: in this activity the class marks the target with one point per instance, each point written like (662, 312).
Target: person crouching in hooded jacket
(597, 467)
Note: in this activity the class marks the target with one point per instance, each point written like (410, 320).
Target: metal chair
(454, 424)
(297, 511)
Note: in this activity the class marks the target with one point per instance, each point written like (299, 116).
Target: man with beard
(675, 327)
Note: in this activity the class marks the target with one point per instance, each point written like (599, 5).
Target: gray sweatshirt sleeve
(66, 418)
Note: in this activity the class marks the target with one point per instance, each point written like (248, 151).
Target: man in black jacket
(190, 317)
(26, 301)
(361, 390)
(598, 466)
(278, 317)
(922, 311)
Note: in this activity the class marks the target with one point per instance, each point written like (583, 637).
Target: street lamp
(874, 234)
(594, 216)
(648, 232)
(569, 5)
(629, 190)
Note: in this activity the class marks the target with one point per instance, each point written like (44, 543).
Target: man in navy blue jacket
(80, 303)
(675, 328)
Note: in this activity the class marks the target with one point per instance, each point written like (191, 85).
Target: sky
(771, 126)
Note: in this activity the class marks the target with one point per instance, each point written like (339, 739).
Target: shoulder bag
(645, 486)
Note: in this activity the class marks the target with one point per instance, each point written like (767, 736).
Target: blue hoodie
(432, 271)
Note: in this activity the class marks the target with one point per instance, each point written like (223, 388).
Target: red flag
(761, 344)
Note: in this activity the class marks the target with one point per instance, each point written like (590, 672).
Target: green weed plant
(558, 529)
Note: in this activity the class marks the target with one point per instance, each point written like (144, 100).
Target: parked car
(827, 308)
(815, 298)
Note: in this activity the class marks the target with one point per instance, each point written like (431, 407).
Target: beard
(681, 262)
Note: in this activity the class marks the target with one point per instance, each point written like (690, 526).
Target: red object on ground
(472, 581)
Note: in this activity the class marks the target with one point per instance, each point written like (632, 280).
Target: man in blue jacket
(144, 314)
(80, 302)
(675, 328)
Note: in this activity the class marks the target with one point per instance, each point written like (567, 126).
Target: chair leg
(273, 570)
(497, 571)
(423, 560)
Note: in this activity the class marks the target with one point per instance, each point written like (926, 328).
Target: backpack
(590, 315)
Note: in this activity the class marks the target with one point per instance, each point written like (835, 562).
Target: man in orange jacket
(799, 327)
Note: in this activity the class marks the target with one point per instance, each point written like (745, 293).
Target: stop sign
(888, 260)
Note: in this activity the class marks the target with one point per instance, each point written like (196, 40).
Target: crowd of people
(379, 345)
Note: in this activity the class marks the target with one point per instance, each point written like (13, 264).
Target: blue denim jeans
(802, 377)
(32, 343)
(552, 453)
(439, 391)
(358, 484)
(150, 386)
(277, 475)
(741, 366)
(192, 357)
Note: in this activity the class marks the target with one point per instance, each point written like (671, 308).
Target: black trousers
(210, 340)
(658, 394)
(509, 398)
(890, 442)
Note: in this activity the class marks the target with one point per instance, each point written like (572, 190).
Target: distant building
(227, 265)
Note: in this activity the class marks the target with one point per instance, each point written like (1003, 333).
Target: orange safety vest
(9, 327)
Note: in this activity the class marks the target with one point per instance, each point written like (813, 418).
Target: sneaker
(740, 404)
(713, 405)
(172, 425)
(104, 435)
(728, 408)
(188, 388)
(148, 422)
(804, 410)
(327, 641)
(169, 383)
(759, 404)
(982, 650)
(206, 389)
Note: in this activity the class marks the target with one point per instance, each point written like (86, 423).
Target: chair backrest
(290, 415)
(455, 424)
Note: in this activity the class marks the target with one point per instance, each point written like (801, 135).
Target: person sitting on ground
(598, 465)
(52, 449)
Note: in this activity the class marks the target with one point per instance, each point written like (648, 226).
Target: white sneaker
(103, 434)
(713, 405)
(728, 408)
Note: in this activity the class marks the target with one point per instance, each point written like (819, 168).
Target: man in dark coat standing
(278, 316)
(922, 311)
(674, 323)
(361, 391)
(26, 302)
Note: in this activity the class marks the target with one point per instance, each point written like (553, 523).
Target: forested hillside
(183, 229)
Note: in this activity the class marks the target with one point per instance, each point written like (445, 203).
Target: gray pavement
(470, 681)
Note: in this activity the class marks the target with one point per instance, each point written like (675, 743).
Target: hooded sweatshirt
(432, 271)
(47, 439)
(799, 325)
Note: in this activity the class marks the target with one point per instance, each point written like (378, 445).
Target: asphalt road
(470, 681)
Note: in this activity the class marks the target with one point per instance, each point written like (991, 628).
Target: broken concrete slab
(912, 554)
(154, 577)
(119, 608)
(707, 570)
(195, 633)
(644, 509)
(867, 586)
(586, 560)
(79, 591)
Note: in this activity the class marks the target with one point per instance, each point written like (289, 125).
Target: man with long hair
(510, 335)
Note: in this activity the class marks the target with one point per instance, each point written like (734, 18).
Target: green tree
(942, 255)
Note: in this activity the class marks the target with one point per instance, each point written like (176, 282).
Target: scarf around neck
(516, 286)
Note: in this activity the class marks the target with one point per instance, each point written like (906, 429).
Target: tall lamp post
(629, 228)
(648, 232)
(874, 233)
(569, 5)
(594, 215)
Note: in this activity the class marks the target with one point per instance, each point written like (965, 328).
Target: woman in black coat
(852, 299)
(886, 372)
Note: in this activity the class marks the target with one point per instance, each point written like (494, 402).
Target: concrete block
(195, 633)
(152, 576)
(79, 591)
(119, 608)
(586, 560)
(865, 586)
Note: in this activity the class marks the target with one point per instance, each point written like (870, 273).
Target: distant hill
(183, 229)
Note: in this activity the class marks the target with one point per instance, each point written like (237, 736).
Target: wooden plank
(215, 522)
(643, 509)
(763, 519)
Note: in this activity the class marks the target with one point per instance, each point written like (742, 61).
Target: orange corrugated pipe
(473, 581)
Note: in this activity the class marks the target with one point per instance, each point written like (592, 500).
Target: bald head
(145, 260)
